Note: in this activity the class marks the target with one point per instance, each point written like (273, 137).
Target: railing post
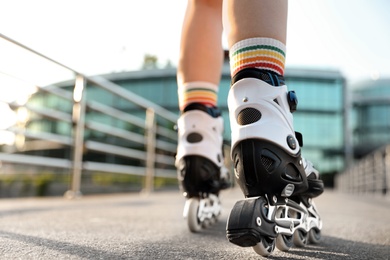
(150, 149)
(78, 119)
(386, 174)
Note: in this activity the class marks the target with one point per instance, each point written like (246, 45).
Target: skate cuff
(265, 75)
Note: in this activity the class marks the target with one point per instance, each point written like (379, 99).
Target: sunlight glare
(7, 137)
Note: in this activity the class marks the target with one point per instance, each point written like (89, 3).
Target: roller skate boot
(200, 164)
(268, 167)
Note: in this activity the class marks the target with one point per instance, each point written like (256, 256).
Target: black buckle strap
(212, 111)
(268, 76)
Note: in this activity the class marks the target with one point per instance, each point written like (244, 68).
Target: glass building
(371, 116)
(319, 117)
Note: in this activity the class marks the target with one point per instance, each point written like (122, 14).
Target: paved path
(130, 226)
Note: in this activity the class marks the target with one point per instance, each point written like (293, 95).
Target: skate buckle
(292, 100)
(288, 190)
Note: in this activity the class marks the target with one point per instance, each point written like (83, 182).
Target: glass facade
(320, 118)
(371, 116)
(320, 114)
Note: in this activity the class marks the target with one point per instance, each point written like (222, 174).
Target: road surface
(133, 226)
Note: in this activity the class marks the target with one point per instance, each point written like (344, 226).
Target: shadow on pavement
(65, 248)
(329, 248)
(337, 248)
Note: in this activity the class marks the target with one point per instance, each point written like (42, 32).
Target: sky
(104, 36)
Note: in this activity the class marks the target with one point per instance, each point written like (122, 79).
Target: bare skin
(201, 53)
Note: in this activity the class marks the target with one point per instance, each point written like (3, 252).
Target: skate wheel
(192, 218)
(284, 242)
(206, 223)
(314, 235)
(265, 247)
(213, 220)
(300, 238)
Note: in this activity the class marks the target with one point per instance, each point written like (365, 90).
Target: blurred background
(88, 99)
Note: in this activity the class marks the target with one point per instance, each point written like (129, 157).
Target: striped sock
(197, 92)
(261, 53)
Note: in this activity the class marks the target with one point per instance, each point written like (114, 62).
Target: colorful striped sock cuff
(262, 53)
(198, 92)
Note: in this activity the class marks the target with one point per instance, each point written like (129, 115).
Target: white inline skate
(277, 182)
(200, 164)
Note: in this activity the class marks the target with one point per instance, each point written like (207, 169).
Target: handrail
(65, 140)
(38, 53)
(36, 160)
(103, 83)
(116, 132)
(49, 113)
(96, 106)
(78, 121)
(140, 101)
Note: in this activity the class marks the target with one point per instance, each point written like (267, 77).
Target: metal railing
(368, 175)
(156, 141)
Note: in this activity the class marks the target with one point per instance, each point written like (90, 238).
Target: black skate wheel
(284, 242)
(265, 247)
(314, 235)
(300, 238)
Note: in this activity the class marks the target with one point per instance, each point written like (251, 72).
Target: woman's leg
(265, 148)
(256, 32)
(201, 54)
(199, 157)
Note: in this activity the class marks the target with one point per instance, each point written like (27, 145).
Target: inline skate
(277, 182)
(200, 164)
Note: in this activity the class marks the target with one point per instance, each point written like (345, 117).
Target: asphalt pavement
(134, 226)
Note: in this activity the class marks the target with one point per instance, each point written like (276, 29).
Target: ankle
(213, 111)
(267, 76)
